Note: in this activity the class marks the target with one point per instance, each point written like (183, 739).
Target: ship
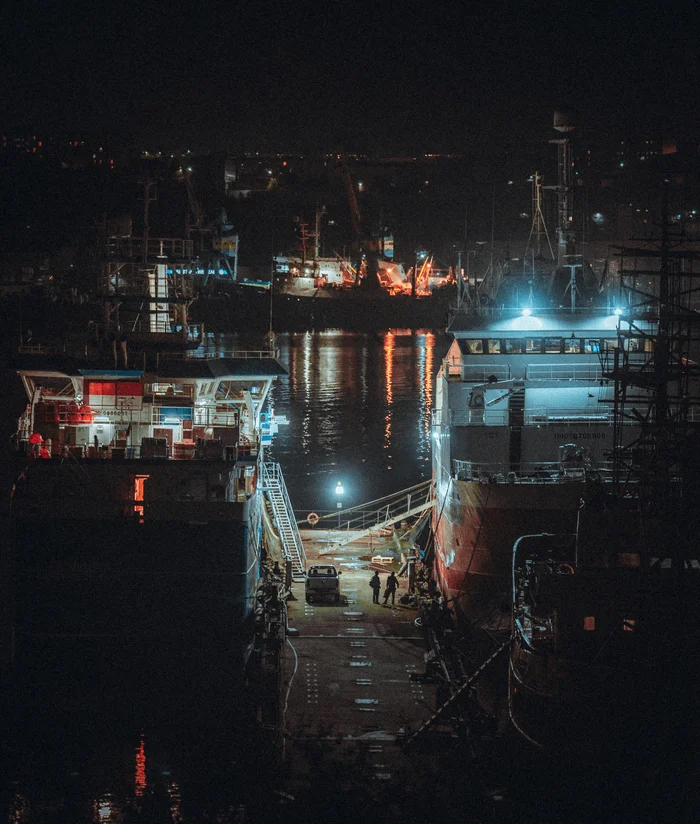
(523, 408)
(606, 618)
(136, 517)
(374, 292)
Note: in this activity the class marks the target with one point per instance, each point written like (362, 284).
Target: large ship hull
(476, 530)
(161, 584)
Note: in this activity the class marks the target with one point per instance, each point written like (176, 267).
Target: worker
(44, 452)
(35, 441)
(376, 583)
(392, 584)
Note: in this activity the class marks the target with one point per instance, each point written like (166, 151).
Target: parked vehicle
(323, 583)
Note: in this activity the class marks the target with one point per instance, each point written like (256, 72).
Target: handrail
(528, 472)
(219, 354)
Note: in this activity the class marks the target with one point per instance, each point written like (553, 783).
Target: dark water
(359, 413)
(88, 740)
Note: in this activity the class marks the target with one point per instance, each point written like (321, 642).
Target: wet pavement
(349, 697)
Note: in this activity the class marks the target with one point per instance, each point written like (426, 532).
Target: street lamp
(339, 492)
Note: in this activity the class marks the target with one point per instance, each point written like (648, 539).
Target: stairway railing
(276, 491)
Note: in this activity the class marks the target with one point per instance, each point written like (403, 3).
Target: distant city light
(598, 218)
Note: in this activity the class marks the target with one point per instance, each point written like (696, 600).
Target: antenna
(539, 227)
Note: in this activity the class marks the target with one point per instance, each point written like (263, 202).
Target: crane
(368, 246)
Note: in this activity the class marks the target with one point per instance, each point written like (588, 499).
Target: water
(359, 414)
(104, 745)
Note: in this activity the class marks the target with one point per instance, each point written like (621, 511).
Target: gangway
(292, 546)
(349, 525)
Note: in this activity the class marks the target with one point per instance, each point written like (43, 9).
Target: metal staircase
(292, 546)
(516, 412)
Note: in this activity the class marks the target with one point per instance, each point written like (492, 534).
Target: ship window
(533, 345)
(572, 346)
(589, 623)
(552, 346)
(474, 346)
(592, 345)
(610, 344)
(513, 346)
(634, 344)
(494, 345)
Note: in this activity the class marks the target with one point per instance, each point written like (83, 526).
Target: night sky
(388, 77)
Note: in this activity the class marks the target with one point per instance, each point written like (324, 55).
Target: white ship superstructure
(523, 413)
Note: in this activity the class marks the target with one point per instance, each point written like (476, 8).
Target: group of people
(392, 584)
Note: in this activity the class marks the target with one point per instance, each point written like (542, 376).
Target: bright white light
(618, 312)
(527, 312)
(339, 489)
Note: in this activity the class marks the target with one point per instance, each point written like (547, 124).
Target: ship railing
(564, 372)
(178, 412)
(440, 417)
(183, 450)
(219, 354)
(155, 247)
(41, 349)
(538, 472)
(547, 415)
(458, 369)
(535, 416)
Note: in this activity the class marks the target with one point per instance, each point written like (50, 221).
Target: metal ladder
(292, 546)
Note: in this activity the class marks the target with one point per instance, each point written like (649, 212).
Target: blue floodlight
(527, 312)
(618, 312)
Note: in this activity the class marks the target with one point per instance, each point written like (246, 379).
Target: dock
(353, 688)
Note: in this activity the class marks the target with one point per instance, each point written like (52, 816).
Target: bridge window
(572, 346)
(474, 346)
(533, 346)
(592, 346)
(513, 346)
(494, 345)
(552, 346)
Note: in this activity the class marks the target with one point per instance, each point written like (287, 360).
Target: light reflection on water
(359, 411)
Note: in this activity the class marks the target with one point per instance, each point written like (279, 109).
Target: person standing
(392, 584)
(376, 583)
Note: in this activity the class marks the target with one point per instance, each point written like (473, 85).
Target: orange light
(139, 486)
(140, 776)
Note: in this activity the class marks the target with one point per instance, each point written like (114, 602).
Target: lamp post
(339, 492)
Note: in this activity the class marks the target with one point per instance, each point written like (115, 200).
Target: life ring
(567, 569)
(312, 518)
